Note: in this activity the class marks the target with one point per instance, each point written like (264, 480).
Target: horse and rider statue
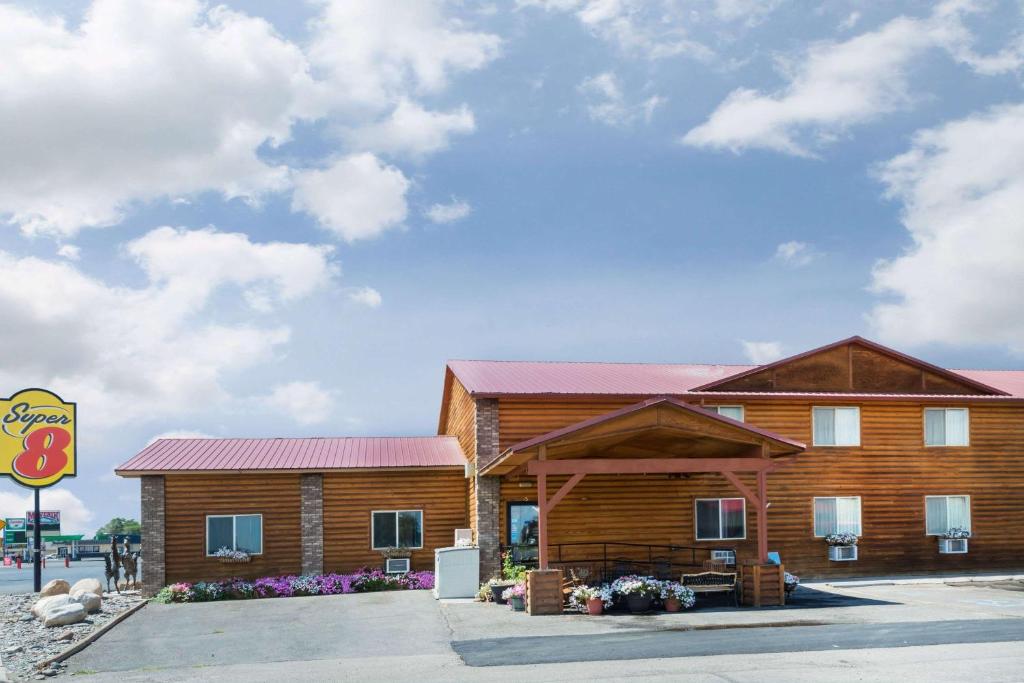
(117, 562)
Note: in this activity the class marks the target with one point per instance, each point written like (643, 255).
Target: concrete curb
(916, 580)
(92, 637)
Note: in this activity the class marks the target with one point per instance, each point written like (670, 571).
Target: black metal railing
(605, 561)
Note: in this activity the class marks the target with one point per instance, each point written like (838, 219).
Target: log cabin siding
(188, 498)
(892, 471)
(350, 497)
(461, 423)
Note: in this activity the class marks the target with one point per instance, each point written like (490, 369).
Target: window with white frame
(836, 426)
(235, 532)
(720, 519)
(734, 412)
(946, 427)
(397, 529)
(837, 515)
(943, 513)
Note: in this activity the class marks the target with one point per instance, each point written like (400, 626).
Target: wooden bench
(712, 582)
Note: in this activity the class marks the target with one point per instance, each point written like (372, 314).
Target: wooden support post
(542, 521)
(762, 517)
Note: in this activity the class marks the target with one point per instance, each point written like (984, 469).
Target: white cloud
(69, 251)
(412, 130)
(453, 211)
(166, 99)
(962, 189)
(142, 100)
(306, 403)
(838, 85)
(607, 104)
(373, 52)
(796, 253)
(749, 11)
(160, 349)
(761, 352)
(75, 517)
(367, 296)
(647, 28)
(356, 197)
(850, 21)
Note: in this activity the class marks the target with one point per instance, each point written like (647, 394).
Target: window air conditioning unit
(726, 556)
(952, 546)
(842, 553)
(463, 537)
(397, 565)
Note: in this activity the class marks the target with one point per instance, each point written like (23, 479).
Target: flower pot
(595, 607)
(518, 603)
(496, 590)
(638, 603)
(673, 605)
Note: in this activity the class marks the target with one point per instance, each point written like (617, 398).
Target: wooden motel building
(612, 468)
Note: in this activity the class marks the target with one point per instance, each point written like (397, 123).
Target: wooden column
(542, 521)
(762, 516)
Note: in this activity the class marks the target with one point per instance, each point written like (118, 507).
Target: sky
(282, 218)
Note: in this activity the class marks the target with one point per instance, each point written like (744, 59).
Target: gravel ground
(25, 641)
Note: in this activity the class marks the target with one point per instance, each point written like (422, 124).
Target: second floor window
(733, 412)
(946, 427)
(836, 426)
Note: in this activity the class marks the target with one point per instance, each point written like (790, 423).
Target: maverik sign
(37, 438)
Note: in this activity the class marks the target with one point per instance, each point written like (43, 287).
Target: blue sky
(266, 218)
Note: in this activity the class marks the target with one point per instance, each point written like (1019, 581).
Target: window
(837, 516)
(734, 412)
(946, 427)
(522, 524)
(720, 519)
(943, 513)
(836, 426)
(397, 529)
(237, 532)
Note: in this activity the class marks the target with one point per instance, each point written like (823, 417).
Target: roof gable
(853, 365)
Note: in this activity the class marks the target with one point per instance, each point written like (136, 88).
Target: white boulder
(43, 605)
(87, 599)
(91, 585)
(55, 587)
(71, 613)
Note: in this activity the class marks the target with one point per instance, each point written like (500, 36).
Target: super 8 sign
(37, 438)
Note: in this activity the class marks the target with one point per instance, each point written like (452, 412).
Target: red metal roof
(313, 454)
(499, 378)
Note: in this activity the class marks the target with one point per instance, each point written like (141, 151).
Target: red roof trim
(642, 405)
(874, 346)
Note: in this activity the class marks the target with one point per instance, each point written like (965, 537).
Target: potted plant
(639, 591)
(790, 582)
(516, 596)
(954, 541)
(498, 587)
(676, 597)
(842, 546)
(226, 555)
(592, 600)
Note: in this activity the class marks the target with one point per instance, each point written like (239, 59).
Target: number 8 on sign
(44, 454)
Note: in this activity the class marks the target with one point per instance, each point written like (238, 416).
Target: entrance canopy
(659, 435)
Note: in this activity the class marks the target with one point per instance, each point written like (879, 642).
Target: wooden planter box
(544, 592)
(234, 560)
(762, 585)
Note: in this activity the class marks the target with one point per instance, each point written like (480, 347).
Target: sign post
(37, 449)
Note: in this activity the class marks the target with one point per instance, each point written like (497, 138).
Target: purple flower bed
(363, 581)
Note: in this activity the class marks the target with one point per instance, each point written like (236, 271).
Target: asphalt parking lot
(409, 635)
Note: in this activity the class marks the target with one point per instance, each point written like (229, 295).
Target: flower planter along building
(610, 469)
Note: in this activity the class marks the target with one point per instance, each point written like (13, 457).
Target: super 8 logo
(37, 438)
